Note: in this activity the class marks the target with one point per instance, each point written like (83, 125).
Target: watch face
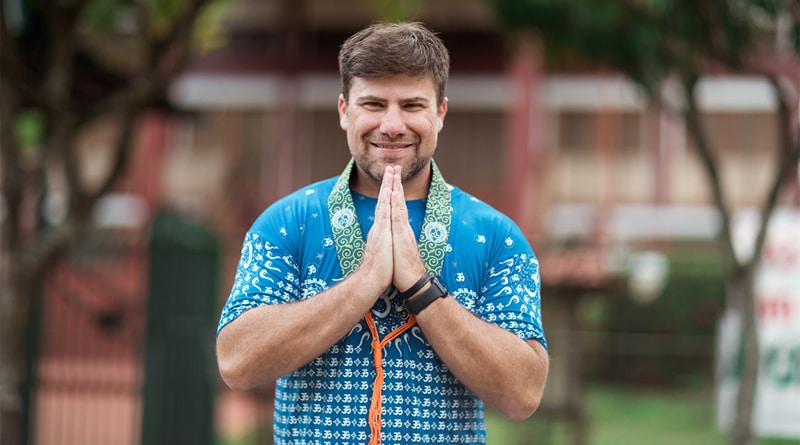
(428, 296)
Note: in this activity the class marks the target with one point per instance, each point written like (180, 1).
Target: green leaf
(396, 10)
(103, 15)
(30, 128)
(209, 32)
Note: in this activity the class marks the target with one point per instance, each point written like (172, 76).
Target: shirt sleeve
(511, 294)
(265, 275)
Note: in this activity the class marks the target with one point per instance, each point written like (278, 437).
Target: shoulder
(473, 210)
(309, 201)
(475, 221)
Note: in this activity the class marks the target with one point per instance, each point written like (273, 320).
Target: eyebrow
(370, 97)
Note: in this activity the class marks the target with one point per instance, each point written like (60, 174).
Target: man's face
(392, 120)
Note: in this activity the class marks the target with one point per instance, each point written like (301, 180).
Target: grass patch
(259, 436)
(622, 416)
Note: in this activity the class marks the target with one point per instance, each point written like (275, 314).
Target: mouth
(391, 145)
(392, 150)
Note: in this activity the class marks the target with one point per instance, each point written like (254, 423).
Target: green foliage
(209, 33)
(114, 16)
(30, 128)
(163, 13)
(396, 10)
(650, 39)
(168, 9)
(103, 15)
(109, 15)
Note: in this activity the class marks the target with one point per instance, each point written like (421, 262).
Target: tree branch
(64, 131)
(172, 58)
(61, 22)
(786, 163)
(11, 168)
(122, 152)
(719, 43)
(11, 67)
(167, 58)
(707, 157)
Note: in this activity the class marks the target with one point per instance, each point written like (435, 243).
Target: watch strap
(434, 292)
(405, 295)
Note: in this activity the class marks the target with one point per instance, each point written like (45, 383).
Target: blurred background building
(603, 184)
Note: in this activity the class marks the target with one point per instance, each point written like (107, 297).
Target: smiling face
(392, 120)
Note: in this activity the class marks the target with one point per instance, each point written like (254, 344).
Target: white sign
(777, 292)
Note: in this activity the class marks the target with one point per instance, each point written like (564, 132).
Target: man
(401, 336)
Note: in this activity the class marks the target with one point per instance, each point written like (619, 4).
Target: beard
(375, 166)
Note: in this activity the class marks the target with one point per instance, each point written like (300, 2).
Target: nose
(392, 123)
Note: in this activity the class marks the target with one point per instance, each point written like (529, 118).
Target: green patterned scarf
(349, 239)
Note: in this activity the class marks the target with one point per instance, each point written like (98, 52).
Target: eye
(372, 105)
(414, 106)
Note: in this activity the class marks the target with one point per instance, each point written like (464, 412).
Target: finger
(387, 185)
(388, 178)
(398, 196)
(399, 209)
(378, 256)
(408, 266)
(383, 207)
(397, 184)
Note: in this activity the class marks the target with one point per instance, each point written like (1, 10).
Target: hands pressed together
(391, 254)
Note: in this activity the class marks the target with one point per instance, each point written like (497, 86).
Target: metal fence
(87, 372)
(121, 349)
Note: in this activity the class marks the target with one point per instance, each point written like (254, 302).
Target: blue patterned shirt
(289, 255)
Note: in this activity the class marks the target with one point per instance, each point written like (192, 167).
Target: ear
(441, 112)
(344, 120)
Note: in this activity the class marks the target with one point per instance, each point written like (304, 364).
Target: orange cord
(376, 405)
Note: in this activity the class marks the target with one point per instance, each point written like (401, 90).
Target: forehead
(393, 87)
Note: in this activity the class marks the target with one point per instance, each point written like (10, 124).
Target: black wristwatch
(435, 291)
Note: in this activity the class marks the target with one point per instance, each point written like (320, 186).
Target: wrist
(431, 292)
(415, 288)
(364, 283)
(427, 285)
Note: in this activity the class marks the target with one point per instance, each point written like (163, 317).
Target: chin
(413, 168)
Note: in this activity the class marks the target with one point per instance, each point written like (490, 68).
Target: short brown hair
(384, 49)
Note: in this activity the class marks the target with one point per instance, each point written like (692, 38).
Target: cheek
(363, 124)
(424, 126)
(433, 128)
